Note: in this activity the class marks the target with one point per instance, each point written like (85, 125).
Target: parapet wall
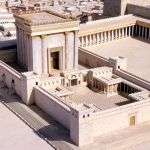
(91, 60)
(9, 75)
(133, 78)
(52, 106)
(8, 56)
(106, 121)
(7, 42)
(138, 10)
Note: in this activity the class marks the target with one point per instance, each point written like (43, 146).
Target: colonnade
(104, 88)
(23, 45)
(106, 36)
(142, 31)
(31, 48)
(124, 88)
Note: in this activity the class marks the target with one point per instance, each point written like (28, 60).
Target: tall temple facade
(47, 42)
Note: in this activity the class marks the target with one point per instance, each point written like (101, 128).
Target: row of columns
(105, 36)
(141, 31)
(124, 88)
(24, 49)
(25, 46)
(108, 89)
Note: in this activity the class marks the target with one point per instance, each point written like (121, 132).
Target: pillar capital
(42, 36)
(67, 32)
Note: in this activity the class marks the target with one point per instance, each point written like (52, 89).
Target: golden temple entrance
(132, 121)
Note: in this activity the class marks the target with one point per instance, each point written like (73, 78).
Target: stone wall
(7, 42)
(114, 7)
(52, 106)
(106, 121)
(91, 60)
(8, 56)
(11, 74)
(138, 10)
(133, 78)
(120, 7)
(118, 118)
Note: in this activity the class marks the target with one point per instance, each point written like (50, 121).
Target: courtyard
(136, 51)
(82, 94)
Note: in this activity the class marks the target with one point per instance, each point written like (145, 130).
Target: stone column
(18, 45)
(119, 33)
(76, 49)
(149, 34)
(28, 51)
(94, 39)
(101, 34)
(90, 40)
(44, 66)
(136, 30)
(116, 34)
(146, 31)
(126, 33)
(142, 32)
(67, 50)
(81, 41)
(105, 36)
(97, 38)
(132, 34)
(108, 35)
(129, 31)
(86, 41)
(112, 35)
(25, 48)
(22, 51)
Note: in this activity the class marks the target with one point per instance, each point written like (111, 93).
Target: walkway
(44, 124)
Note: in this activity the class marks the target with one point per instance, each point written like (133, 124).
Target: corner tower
(47, 41)
(114, 8)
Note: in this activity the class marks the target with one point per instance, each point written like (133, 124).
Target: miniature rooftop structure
(43, 17)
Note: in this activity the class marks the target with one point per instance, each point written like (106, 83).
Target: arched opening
(4, 79)
(13, 84)
(118, 67)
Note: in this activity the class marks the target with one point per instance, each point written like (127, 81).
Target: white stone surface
(16, 135)
(136, 51)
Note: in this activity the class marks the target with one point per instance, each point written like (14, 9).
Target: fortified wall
(121, 7)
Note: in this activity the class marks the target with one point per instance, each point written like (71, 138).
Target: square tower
(114, 8)
(47, 41)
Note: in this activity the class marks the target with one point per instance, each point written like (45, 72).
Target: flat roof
(42, 16)
(110, 23)
(135, 50)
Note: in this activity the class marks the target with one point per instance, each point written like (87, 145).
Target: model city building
(90, 98)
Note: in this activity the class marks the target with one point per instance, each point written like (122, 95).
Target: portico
(52, 41)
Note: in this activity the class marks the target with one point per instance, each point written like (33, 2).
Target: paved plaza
(136, 51)
(16, 135)
(83, 94)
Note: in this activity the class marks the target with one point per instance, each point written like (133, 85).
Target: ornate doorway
(54, 60)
